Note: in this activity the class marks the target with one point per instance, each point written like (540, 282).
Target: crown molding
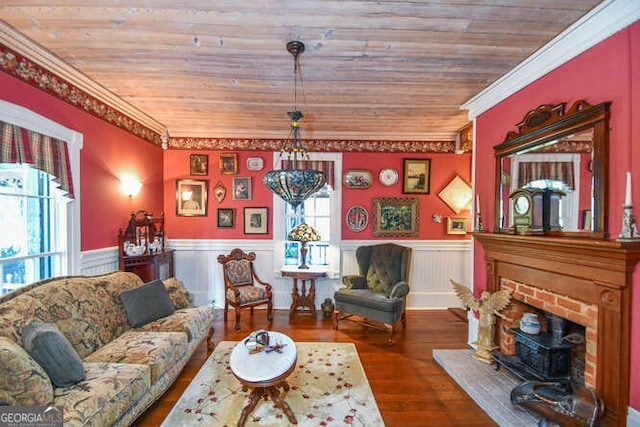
(34, 52)
(603, 21)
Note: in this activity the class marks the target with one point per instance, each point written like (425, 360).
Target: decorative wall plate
(388, 176)
(255, 163)
(219, 191)
(357, 218)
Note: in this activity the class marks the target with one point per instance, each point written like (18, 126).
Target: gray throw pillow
(53, 351)
(146, 303)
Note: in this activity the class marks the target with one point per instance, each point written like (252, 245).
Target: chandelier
(294, 185)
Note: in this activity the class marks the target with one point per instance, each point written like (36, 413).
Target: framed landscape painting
(395, 217)
(416, 176)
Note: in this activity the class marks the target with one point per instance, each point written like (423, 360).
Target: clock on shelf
(527, 211)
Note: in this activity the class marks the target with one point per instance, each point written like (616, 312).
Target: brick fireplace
(583, 280)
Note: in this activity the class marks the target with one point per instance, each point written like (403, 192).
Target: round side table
(265, 373)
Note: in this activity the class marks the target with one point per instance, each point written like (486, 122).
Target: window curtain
(324, 166)
(555, 171)
(50, 155)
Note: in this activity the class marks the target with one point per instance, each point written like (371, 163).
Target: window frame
(279, 233)
(70, 215)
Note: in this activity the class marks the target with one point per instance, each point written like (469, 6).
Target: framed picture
(256, 221)
(199, 164)
(242, 188)
(357, 178)
(395, 217)
(219, 191)
(457, 225)
(416, 176)
(191, 197)
(228, 164)
(226, 217)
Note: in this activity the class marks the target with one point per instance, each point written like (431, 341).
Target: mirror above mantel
(562, 156)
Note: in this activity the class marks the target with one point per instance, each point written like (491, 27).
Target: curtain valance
(50, 155)
(324, 166)
(554, 171)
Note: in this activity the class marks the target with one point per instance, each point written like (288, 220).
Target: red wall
(176, 166)
(444, 168)
(606, 72)
(108, 153)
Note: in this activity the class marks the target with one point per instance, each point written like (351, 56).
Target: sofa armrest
(354, 281)
(399, 290)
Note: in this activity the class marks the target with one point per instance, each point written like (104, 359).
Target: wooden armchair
(243, 288)
(377, 296)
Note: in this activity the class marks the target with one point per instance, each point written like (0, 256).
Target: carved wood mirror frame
(549, 129)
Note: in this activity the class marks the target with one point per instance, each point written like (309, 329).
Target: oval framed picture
(357, 218)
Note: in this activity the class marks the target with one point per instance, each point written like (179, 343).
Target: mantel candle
(477, 204)
(627, 199)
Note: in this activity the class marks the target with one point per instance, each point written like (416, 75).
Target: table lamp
(303, 233)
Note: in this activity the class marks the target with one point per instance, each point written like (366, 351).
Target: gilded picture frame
(416, 176)
(228, 164)
(191, 197)
(457, 225)
(395, 216)
(199, 164)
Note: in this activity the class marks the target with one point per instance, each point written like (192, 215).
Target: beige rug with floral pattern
(328, 388)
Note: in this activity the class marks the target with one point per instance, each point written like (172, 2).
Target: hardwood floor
(411, 389)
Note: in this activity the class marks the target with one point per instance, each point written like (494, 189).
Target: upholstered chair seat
(376, 296)
(243, 288)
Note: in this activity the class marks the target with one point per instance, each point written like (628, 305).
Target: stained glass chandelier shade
(294, 185)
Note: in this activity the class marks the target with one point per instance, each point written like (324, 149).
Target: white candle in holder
(477, 204)
(627, 199)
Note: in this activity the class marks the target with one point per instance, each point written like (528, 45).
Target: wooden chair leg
(210, 343)
(226, 309)
(237, 318)
(334, 318)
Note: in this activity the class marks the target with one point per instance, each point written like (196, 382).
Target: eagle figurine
(488, 305)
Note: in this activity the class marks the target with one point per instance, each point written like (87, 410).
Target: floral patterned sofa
(125, 369)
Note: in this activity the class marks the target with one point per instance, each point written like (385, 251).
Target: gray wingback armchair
(377, 296)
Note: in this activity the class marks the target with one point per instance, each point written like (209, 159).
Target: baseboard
(633, 418)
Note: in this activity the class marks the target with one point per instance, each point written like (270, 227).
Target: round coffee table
(265, 372)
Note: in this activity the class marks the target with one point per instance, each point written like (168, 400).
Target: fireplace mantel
(594, 271)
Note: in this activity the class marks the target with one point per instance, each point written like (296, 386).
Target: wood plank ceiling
(390, 70)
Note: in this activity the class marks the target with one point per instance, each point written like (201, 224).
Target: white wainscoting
(99, 261)
(196, 265)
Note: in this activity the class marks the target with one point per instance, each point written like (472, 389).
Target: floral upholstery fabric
(155, 349)
(87, 310)
(247, 294)
(179, 296)
(89, 313)
(192, 321)
(239, 272)
(107, 390)
(22, 381)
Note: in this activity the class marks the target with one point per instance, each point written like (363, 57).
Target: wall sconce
(130, 185)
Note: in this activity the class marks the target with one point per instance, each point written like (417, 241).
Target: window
(40, 227)
(30, 246)
(315, 212)
(321, 211)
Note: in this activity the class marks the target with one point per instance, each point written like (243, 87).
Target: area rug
(327, 388)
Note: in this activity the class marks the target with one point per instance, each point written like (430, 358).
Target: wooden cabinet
(142, 250)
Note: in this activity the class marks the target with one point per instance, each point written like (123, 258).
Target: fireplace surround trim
(593, 271)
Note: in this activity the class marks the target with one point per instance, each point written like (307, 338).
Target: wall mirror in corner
(564, 156)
